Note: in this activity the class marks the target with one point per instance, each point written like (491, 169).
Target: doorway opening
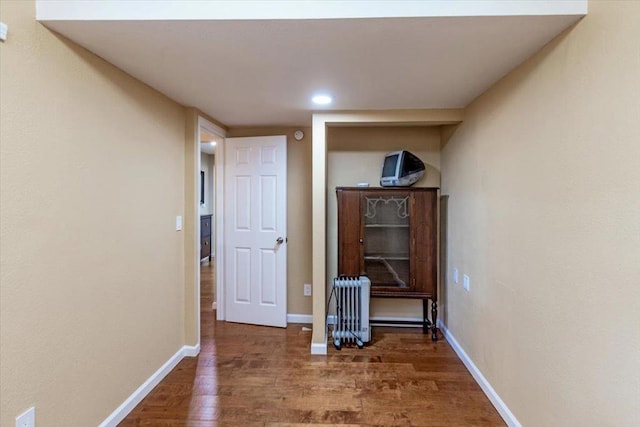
(209, 253)
(207, 212)
(256, 200)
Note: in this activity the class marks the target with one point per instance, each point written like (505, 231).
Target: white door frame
(219, 220)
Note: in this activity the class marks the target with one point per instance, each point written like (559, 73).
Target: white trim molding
(299, 318)
(211, 127)
(496, 401)
(319, 348)
(141, 392)
(191, 350)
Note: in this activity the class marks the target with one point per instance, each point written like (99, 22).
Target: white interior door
(255, 218)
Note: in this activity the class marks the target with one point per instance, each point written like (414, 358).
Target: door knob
(279, 240)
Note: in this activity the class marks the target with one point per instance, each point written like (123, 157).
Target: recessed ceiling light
(213, 143)
(322, 99)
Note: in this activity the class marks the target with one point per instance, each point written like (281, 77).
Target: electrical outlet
(465, 282)
(27, 418)
(307, 289)
(455, 275)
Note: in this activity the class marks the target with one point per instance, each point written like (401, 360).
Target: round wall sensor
(298, 135)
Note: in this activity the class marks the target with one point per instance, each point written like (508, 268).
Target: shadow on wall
(446, 133)
(134, 90)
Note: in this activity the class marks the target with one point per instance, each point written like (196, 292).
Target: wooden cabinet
(391, 236)
(205, 236)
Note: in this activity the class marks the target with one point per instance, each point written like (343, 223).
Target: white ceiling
(264, 72)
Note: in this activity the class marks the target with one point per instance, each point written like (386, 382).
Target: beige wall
(298, 211)
(356, 155)
(92, 273)
(544, 185)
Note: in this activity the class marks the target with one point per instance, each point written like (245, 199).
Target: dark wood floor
(260, 376)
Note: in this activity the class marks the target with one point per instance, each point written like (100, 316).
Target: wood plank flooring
(260, 376)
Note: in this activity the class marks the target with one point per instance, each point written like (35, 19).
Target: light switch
(466, 282)
(3, 31)
(27, 418)
(455, 275)
(178, 223)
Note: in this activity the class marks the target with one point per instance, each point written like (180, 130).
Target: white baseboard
(299, 318)
(191, 350)
(319, 348)
(136, 397)
(496, 401)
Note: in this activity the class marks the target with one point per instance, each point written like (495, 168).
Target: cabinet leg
(425, 316)
(434, 317)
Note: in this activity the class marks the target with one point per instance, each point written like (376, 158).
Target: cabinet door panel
(349, 245)
(386, 232)
(423, 225)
